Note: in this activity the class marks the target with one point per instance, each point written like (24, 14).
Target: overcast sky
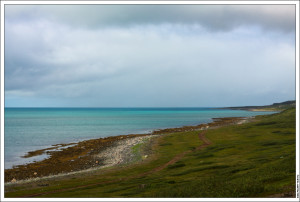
(149, 55)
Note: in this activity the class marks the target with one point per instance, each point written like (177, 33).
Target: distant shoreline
(92, 154)
(71, 126)
(85, 154)
(273, 107)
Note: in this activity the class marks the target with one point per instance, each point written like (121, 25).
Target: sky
(149, 55)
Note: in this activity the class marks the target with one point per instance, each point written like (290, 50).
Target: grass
(255, 159)
(136, 151)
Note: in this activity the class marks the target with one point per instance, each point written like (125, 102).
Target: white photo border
(272, 2)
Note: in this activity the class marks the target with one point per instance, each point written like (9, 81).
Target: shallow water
(28, 129)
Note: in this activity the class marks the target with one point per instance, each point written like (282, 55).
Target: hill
(273, 107)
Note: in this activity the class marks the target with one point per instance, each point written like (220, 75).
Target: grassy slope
(274, 107)
(256, 159)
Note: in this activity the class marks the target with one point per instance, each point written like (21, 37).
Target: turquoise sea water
(28, 129)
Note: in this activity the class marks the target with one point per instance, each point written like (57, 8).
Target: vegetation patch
(189, 171)
(176, 165)
(165, 144)
(251, 160)
(266, 123)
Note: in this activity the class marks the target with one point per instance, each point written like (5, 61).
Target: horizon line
(162, 106)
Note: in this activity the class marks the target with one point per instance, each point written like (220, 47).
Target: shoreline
(97, 153)
(119, 153)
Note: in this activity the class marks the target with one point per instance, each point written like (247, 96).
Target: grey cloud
(151, 69)
(213, 17)
(50, 58)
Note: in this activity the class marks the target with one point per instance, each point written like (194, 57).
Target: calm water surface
(28, 129)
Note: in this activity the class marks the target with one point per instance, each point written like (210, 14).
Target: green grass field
(255, 159)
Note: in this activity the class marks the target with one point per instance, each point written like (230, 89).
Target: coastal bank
(226, 158)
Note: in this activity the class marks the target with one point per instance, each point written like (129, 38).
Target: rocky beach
(98, 153)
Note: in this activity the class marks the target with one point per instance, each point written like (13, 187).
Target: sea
(29, 129)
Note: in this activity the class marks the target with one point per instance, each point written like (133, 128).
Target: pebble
(120, 152)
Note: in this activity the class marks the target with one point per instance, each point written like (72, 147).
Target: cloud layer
(213, 17)
(152, 56)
